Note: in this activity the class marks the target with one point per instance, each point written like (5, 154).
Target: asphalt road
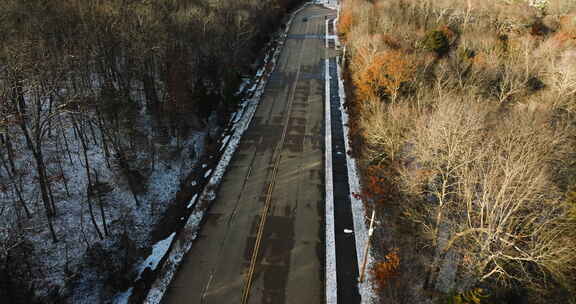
(287, 132)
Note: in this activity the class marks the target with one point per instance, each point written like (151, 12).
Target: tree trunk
(102, 214)
(18, 94)
(66, 144)
(8, 143)
(35, 148)
(17, 189)
(152, 101)
(89, 191)
(52, 232)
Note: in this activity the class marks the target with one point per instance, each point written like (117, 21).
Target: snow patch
(123, 297)
(242, 87)
(210, 196)
(158, 251)
(207, 173)
(225, 142)
(179, 248)
(192, 201)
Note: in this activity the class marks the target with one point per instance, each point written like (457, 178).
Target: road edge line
(327, 31)
(330, 270)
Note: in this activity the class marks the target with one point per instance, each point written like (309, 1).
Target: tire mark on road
(278, 154)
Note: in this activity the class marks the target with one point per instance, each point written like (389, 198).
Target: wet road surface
(280, 163)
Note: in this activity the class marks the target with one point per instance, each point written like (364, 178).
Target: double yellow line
(268, 201)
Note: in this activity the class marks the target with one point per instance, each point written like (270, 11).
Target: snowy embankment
(361, 232)
(93, 199)
(240, 121)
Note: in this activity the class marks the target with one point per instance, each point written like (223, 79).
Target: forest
(105, 108)
(464, 124)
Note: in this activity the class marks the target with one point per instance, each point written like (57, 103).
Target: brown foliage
(386, 270)
(564, 39)
(568, 22)
(448, 33)
(384, 76)
(391, 41)
(479, 148)
(379, 186)
(345, 22)
(538, 28)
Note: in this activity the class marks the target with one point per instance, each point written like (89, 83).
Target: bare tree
(490, 193)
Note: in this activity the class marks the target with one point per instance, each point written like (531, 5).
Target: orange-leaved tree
(385, 75)
(387, 270)
(379, 184)
(346, 20)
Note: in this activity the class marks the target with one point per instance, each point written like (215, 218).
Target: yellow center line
(267, 204)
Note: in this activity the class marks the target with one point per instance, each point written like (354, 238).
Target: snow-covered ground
(63, 264)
